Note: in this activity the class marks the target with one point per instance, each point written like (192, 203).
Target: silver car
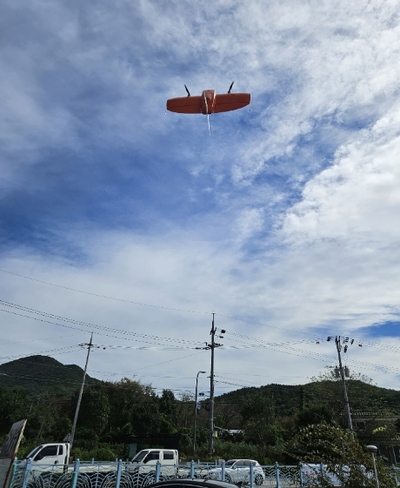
(313, 474)
(238, 471)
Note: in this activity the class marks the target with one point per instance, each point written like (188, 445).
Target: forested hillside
(252, 422)
(42, 374)
(290, 399)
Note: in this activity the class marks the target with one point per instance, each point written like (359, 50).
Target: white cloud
(175, 284)
(356, 199)
(249, 222)
(320, 75)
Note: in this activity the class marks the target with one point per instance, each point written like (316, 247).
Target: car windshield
(139, 456)
(33, 453)
(230, 462)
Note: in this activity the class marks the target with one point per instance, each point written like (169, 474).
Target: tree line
(260, 423)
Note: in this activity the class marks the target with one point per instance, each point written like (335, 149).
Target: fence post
(223, 471)
(158, 468)
(119, 471)
(393, 470)
(27, 472)
(192, 469)
(251, 475)
(74, 478)
(277, 475)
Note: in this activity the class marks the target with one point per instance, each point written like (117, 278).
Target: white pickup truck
(148, 463)
(150, 457)
(50, 454)
(60, 454)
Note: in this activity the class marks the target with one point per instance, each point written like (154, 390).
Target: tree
(185, 411)
(14, 406)
(134, 409)
(342, 454)
(167, 409)
(94, 414)
(330, 374)
(314, 414)
(260, 423)
(49, 418)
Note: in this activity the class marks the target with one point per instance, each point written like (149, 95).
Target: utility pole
(342, 372)
(89, 347)
(212, 345)
(211, 418)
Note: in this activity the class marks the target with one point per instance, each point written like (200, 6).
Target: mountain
(42, 374)
(288, 400)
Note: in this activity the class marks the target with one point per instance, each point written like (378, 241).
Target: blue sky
(135, 224)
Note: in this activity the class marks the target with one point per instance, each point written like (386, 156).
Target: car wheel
(228, 478)
(258, 480)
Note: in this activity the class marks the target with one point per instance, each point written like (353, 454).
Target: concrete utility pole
(212, 346)
(211, 418)
(78, 405)
(346, 402)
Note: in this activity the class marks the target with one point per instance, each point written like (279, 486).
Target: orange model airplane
(208, 103)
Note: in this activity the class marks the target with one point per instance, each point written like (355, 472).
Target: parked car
(190, 483)
(238, 471)
(313, 474)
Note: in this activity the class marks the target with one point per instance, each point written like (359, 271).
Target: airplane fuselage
(208, 102)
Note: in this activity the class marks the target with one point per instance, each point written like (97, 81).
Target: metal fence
(123, 475)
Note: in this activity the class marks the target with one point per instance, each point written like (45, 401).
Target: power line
(87, 325)
(107, 297)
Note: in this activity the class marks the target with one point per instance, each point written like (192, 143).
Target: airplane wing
(185, 105)
(231, 101)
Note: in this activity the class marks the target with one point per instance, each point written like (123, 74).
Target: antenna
(230, 88)
(187, 91)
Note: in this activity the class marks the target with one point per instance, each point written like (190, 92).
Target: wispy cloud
(283, 220)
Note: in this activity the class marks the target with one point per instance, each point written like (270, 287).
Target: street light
(195, 410)
(373, 450)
